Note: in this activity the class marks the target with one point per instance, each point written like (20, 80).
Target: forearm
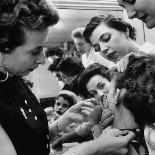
(57, 126)
(89, 149)
(71, 137)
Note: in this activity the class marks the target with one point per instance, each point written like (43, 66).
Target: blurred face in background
(67, 78)
(141, 9)
(61, 106)
(111, 43)
(51, 59)
(81, 45)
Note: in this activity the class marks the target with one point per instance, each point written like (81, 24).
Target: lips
(112, 56)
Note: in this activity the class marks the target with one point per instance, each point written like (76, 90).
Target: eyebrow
(99, 84)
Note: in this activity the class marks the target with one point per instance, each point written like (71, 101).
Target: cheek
(64, 109)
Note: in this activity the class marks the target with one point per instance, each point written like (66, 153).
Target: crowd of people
(107, 97)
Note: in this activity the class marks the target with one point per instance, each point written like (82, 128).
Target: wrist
(63, 121)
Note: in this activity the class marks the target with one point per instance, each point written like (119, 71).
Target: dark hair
(111, 21)
(139, 82)
(78, 33)
(18, 15)
(71, 66)
(54, 67)
(68, 98)
(54, 51)
(87, 74)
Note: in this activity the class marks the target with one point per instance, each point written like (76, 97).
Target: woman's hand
(82, 111)
(106, 119)
(114, 141)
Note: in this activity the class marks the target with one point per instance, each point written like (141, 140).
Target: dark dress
(23, 118)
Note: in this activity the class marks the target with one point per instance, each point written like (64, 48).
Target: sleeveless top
(23, 118)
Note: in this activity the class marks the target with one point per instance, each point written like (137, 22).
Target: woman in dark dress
(23, 34)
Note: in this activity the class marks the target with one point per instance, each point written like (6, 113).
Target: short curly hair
(139, 81)
(17, 15)
(111, 21)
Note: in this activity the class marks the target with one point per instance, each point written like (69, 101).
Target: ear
(116, 96)
(127, 34)
(121, 95)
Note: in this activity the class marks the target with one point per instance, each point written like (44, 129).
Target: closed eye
(105, 37)
(101, 85)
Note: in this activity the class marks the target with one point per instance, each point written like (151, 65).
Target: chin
(150, 25)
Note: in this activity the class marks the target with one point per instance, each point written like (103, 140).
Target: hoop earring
(7, 75)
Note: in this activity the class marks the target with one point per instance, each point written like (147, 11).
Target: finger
(105, 110)
(89, 104)
(86, 113)
(127, 138)
(115, 132)
(88, 109)
(93, 100)
(107, 122)
(80, 118)
(105, 114)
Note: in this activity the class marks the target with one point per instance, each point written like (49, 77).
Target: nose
(60, 107)
(104, 49)
(99, 94)
(41, 58)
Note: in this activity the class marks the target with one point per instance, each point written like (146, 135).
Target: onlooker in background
(70, 69)
(88, 55)
(53, 53)
(63, 101)
(53, 68)
(141, 9)
(114, 38)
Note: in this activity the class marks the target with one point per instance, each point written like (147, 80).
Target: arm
(69, 138)
(77, 113)
(115, 142)
(6, 146)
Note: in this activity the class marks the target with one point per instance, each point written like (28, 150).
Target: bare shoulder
(6, 145)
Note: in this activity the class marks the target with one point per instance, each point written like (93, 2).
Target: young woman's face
(27, 57)
(141, 9)
(61, 106)
(98, 86)
(111, 44)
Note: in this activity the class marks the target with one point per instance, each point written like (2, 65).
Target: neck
(88, 52)
(134, 47)
(124, 119)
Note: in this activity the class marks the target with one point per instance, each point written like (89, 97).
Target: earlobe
(120, 95)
